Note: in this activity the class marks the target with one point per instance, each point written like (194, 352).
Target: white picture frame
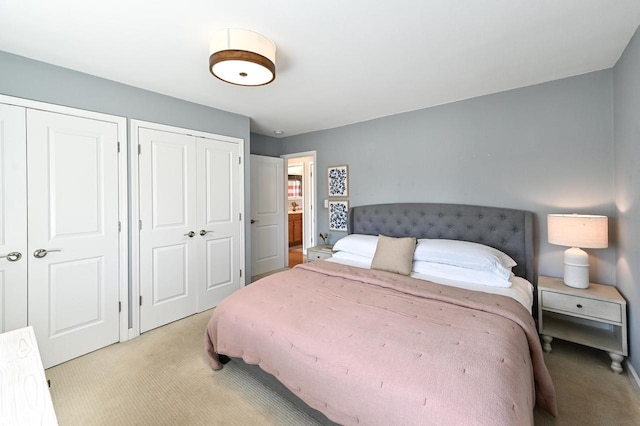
(338, 215)
(338, 181)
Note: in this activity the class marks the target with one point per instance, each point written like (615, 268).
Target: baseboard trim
(633, 374)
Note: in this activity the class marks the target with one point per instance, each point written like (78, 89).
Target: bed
(351, 345)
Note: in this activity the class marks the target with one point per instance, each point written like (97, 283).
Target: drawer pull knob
(579, 305)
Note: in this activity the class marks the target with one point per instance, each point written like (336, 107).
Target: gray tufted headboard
(508, 230)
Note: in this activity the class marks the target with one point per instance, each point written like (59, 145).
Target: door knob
(190, 234)
(203, 232)
(12, 257)
(254, 221)
(40, 253)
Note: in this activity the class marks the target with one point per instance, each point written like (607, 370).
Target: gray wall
(265, 145)
(627, 178)
(546, 148)
(25, 78)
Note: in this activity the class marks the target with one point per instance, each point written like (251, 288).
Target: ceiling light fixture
(242, 57)
(278, 132)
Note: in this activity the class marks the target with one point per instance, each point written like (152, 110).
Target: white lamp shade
(578, 230)
(242, 57)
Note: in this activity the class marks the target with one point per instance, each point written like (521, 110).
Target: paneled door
(190, 239)
(73, 234)
(13, 218)
(267, 214)
(218, 218)
(168, 262)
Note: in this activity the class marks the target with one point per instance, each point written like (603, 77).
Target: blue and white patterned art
(338, 181)
(338, 215)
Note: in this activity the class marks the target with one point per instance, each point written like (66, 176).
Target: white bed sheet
(521, 290)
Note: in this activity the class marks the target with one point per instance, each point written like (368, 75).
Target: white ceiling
(338, 61)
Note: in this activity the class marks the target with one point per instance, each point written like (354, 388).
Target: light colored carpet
(588, 392)
(162, 378)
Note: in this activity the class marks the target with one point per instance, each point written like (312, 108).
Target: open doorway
(300, 205)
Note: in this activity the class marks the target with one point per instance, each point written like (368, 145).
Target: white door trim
(134, 210)
(123, 160)
(314, 183)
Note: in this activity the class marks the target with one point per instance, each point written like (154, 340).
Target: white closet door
(13, 218)
(168, 261)
(73, 234)
(218, 236)
(267, 214)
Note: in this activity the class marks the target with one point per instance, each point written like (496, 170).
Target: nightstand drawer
(315, 255)
(583, 306)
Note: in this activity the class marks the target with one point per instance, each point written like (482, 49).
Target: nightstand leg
(616, 361)
(546, 343)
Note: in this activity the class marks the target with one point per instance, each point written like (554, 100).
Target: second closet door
(168, 261)
(218, 230)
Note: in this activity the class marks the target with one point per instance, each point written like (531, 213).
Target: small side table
(319, 252)
(594, 317)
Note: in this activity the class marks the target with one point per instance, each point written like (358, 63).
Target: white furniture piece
(24, 393)
(319, 252)
(595, 317)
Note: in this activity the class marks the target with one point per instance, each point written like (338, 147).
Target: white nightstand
(320, 252)
(595, 317)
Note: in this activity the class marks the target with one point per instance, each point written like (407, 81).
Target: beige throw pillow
(394, 254)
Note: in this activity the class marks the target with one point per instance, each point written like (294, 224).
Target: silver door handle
(190, 234)
(203, 232)
(40, 253)
(12, 257)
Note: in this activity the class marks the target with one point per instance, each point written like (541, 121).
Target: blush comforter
(376, 348)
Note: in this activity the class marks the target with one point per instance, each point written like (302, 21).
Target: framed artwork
(338, 215)
(338, 181)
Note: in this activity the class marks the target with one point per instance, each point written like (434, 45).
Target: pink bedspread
(374, 348)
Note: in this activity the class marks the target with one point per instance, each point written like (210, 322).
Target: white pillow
(436, 271)
(360, 244)
(352, 259)
(464, 254)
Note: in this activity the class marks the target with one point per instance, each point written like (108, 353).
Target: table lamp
(577, 231)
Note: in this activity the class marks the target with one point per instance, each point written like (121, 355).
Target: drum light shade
(576, 231)
(242, 57)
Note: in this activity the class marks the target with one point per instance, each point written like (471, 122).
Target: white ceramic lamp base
(576, 268)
